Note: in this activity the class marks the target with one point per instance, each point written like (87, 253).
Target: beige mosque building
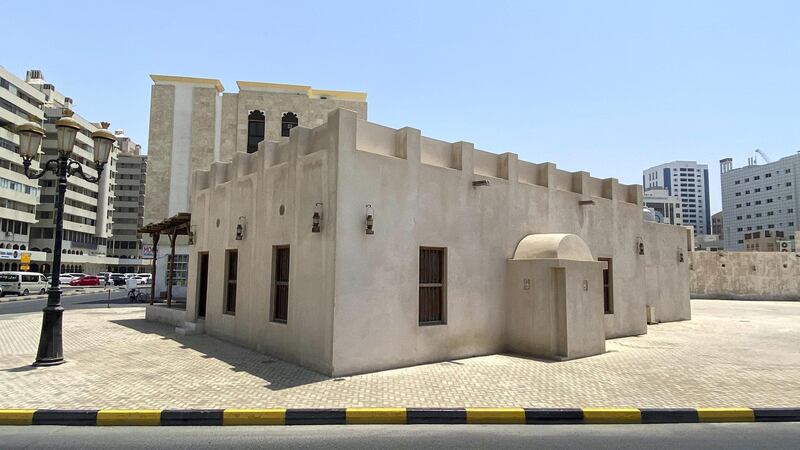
(350, 247)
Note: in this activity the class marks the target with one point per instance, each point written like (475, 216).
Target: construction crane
(764, 156)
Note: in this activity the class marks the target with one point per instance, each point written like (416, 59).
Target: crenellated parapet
(302, 142)
(408, 144)
(463, 156)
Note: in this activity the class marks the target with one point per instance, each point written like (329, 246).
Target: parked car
(65, 278)
(22, 283)
(141, 278)
(86, 280)
(145, 276)
(117, 279)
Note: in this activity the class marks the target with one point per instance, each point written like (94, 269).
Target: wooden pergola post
(177, 225)
(173, 236)
(155, 237)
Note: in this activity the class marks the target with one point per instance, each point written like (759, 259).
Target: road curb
(400, 416)
(18, 298)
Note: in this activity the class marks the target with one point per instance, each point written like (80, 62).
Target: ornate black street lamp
(51, 352)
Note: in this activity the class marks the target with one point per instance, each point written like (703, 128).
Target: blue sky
(610, 87)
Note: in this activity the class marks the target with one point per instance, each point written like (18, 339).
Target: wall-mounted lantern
(640, 245)
(316, 218)
(241, 228)
(192, 231)
(370, 219)
(681, 257)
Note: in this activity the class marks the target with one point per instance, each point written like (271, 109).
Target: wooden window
(280, 309)
(256, 124)
(288, 121)
(608, 286)
(231, 268)
(432, 284)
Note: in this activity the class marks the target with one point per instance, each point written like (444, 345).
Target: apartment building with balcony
(19, 196)
(88, 207)
(126, 242)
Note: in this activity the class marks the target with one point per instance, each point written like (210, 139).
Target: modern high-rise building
(19, 195)
(688, 181)
(760, 197)
(126, 242)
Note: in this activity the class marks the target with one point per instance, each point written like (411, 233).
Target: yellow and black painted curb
(411, 416)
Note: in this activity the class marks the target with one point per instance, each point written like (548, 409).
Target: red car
(88, 280)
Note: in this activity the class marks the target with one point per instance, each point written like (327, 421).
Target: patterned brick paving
(731, 354)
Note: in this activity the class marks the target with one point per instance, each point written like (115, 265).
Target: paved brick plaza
(731, 354)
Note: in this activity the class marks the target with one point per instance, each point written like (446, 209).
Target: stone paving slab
(732, 353)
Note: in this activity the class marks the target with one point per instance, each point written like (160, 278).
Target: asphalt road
(80, 301)
(668, 436)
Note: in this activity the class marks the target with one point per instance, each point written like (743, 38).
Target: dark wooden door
(202, 288)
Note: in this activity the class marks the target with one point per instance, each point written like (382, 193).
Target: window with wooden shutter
(232, 267)
(281, 285)
(256, 130)
(608, 286)
(432, 276)
(288, 121)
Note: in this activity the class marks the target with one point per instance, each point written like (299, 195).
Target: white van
(144, 278)
(22, 283)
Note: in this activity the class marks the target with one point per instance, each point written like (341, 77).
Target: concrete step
(190, 328)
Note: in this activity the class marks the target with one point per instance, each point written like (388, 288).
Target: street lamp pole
(51, 351)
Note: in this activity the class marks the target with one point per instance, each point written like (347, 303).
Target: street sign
(24, 267)
(25, 258)
(9, 254)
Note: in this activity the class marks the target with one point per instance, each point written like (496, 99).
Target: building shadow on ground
(277, 374)
(25, 368)
(530, 358)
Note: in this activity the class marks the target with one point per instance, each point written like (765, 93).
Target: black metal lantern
(316, 218)
(241, 227)
(370, 219)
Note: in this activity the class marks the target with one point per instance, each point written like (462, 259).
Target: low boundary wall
(745, 275)
(162, 314)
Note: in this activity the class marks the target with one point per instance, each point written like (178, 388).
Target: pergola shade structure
(177, 225)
